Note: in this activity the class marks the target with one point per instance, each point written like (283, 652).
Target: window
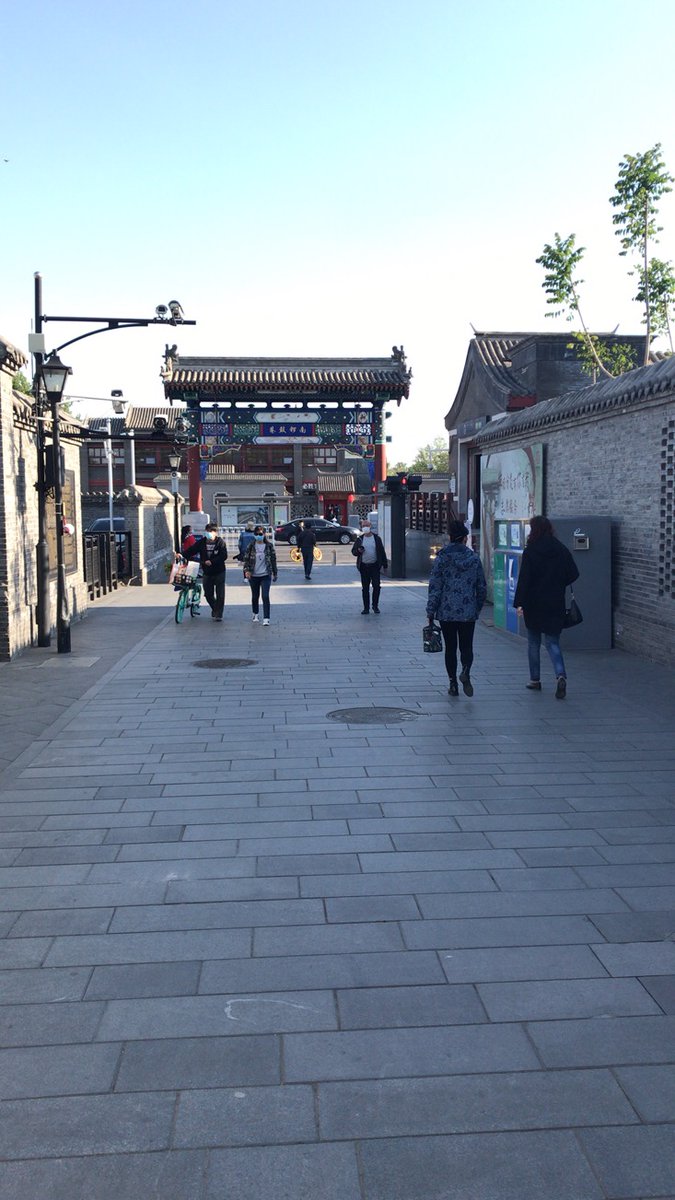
(325, 456)
(147, 458)
(96, 454)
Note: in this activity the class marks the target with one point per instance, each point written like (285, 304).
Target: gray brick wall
(611, 464)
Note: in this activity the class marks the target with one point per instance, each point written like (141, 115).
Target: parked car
(102, 525)
(325, 531)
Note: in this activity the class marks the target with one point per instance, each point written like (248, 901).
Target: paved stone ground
(249, 952)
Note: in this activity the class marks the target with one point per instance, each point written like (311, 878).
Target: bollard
(335, 558)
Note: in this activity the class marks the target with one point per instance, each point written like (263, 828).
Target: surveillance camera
(162, 312)
(176, 310)
(117, 392)
(119, 406)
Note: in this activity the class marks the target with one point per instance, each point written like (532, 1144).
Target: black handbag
(432, 642)
(573, 614)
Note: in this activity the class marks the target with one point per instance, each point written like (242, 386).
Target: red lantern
(350, 497)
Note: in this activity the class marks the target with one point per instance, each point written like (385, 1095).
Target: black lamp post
(165, 314)
(174, 463)
(54, 375)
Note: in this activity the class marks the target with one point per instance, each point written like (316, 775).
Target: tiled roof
(644, 383)
(139, 419)
(296, 376)
(329, 481)
(494, 351)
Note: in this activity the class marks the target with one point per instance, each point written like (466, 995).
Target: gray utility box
(589, 539)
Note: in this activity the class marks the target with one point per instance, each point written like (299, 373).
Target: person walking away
(457, 591)
(260, 568)
(245, 538)
(371, 559)
(307, 542)
(546, 569)
(211, 551)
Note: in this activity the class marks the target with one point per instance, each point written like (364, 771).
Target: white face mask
(367, 530)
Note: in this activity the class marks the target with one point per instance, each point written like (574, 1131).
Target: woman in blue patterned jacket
(457, 592)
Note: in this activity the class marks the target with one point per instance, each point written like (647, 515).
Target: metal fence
(431, 512)
(107, 561)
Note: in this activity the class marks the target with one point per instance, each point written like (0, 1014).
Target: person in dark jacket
(260, 568)
(457, 592)
(546, 569)
(212, 553)
(371, 559)
(306, 543)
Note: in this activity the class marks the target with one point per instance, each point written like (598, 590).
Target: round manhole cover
(373, 716)
(224, 664)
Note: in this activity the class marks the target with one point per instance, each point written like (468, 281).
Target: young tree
(643, 180)
(560, 262)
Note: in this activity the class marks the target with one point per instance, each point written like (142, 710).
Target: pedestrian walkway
(253, 952)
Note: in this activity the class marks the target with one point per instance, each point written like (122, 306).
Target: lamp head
(54, 375)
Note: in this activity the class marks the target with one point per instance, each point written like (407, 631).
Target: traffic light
(403, 483)
(414, 483)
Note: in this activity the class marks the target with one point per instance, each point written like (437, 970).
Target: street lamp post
(174, 463)
(165, 314)
(54, 375)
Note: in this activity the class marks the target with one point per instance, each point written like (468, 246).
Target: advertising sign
(512, 487)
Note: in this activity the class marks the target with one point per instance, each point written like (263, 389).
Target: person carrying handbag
(457, 591)
(546, 570)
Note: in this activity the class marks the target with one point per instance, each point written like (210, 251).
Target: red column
(194, 481)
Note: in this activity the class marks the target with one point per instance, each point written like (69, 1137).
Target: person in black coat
(546, 569)
(211, 551)
(306, 543)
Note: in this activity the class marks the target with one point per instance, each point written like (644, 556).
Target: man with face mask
(371, 558)
(212, 553)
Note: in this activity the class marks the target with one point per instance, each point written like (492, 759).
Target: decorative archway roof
(299, 378)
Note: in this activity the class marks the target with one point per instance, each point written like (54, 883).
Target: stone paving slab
(248, 951)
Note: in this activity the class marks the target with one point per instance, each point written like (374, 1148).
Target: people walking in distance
(211, 551)
(260, 568)
(546, 569)
(457, 592)
(306, 543)
(245, 538)
(371, 559)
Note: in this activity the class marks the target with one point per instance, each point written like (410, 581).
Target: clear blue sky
(320, 176)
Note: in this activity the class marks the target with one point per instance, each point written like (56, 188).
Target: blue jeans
(261, 583)
(552, 643)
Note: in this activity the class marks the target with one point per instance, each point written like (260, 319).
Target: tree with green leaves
(561, 284)
(643, 181)
(21, 384)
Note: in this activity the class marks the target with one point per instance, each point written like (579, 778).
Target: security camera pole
(171, 314)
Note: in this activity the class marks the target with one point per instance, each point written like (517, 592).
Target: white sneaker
(266, 621)
(256, 617)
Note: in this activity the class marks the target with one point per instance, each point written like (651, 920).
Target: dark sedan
(325, 531)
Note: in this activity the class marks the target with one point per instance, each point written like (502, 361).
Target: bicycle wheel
(195, 599)
(318, 554)
(180, 605)
(295, 554)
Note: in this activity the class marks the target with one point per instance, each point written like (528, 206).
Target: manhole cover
(373, 716)
(224, 664)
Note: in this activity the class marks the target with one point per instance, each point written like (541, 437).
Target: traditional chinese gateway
(319, 422)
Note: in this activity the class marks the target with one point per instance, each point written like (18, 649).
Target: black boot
(453, 690)
(466, 682)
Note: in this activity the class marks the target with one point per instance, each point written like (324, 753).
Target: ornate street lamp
(165, 314)
(174, 463)
(54, 375)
